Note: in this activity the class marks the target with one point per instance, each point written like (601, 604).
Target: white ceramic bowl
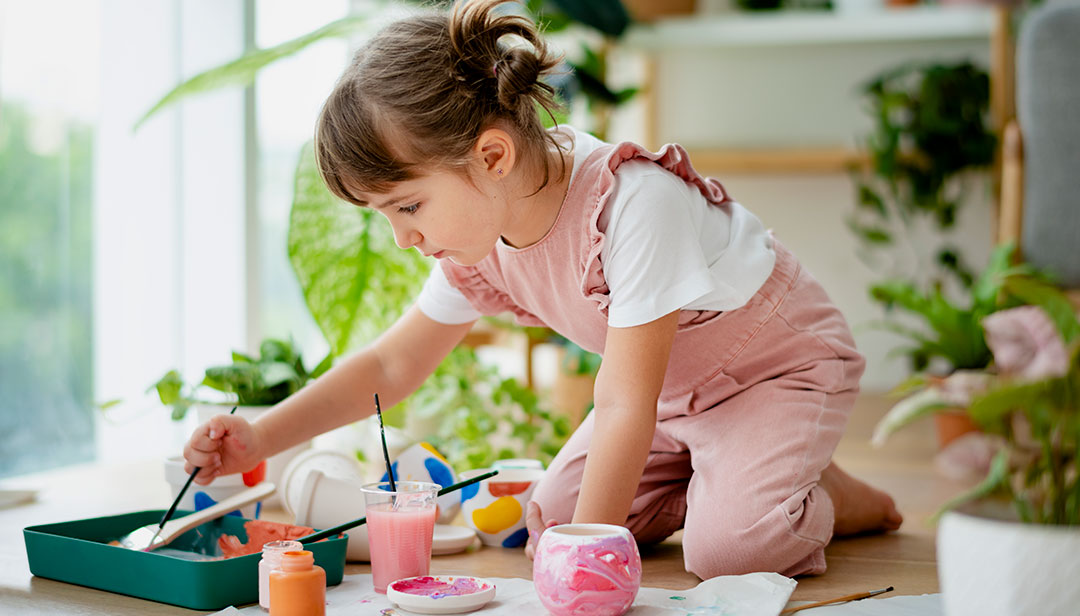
(441, 594)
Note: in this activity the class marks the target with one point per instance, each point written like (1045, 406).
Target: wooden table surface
(904, 559)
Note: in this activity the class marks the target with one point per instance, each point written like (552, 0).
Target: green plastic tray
(77, 552)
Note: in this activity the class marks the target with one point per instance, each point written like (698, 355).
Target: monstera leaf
(355, 279)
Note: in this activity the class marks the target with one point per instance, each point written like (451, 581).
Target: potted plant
(930, 131)
(951, 343)
(253, 384)
(992, 558)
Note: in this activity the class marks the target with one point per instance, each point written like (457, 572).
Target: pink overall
(754, 399)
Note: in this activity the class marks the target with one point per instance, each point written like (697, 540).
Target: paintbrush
(330, 532)
(385, 453)
(855, 597)
(172, 509)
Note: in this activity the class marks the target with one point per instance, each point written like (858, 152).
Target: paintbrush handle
(187, 484)
(855, 597)
(340, 528)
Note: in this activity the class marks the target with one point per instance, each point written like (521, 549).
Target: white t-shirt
(666, 248)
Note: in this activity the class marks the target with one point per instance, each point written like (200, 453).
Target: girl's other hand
(534, 521)
(224, 445)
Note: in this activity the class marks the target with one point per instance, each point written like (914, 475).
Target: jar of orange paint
(298, 587)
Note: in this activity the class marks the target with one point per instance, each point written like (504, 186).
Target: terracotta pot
(952, 424)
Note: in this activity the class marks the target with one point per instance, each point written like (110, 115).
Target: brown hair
(429, 85)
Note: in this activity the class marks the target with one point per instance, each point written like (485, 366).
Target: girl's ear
(496, 152)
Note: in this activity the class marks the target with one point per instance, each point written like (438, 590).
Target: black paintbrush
(168, 514)
(385, 453)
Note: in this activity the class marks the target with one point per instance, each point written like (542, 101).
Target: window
(47, 139)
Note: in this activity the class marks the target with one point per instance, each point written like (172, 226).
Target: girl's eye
(410, 209)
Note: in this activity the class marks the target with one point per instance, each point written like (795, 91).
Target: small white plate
(441, 594)
(451, 539)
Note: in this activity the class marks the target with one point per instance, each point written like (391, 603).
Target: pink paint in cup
(587, 570)
(400, 527)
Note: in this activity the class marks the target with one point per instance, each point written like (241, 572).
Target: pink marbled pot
(587, 570)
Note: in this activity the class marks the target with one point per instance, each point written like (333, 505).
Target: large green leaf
(356, 281)
(242, 71)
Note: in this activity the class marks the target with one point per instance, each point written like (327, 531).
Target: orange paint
(508, 488)
(298, 588)
(255, 475)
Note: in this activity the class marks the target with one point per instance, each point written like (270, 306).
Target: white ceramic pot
(276, 464)
(989, 566)
(495, 508)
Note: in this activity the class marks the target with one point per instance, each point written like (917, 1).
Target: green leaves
(276, 374)
(930, 128)
(607, 16)
(243, 70)
(355, 279)
(954, 332)
(483, 417)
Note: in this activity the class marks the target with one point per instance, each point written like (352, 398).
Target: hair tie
(495, 70)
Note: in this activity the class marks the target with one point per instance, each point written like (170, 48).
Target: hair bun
(516, 73)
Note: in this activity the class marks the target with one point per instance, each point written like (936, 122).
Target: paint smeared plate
(441, 594)
(451, 539)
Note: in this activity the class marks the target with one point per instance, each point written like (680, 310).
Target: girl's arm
(627, 389)
(393, 366)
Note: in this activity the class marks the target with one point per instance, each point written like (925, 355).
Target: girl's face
(443, 215)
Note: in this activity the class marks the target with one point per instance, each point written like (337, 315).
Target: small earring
(499, 171)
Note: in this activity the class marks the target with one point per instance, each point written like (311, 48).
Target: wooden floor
(904, 559)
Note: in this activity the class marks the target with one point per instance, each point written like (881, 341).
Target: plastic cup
(401, 525)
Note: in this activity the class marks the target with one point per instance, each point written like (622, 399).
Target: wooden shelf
(776, 160)
(787, 28)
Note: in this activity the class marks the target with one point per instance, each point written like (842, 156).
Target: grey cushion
(1048, 109)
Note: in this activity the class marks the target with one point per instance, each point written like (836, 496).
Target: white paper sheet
(755, 594)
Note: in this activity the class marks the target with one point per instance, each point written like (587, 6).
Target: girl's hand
(224, 445)
(534, 521)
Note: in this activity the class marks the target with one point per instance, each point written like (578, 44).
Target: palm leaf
(242, 71)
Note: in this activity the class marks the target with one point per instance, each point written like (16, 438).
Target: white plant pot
(275, 466)
(990, 566)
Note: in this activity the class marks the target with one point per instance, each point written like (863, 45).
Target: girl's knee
(732, 552)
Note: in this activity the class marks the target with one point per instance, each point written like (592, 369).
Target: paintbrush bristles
(386, 453)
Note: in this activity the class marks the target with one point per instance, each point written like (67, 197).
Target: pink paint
(400, 542)
(587, 570)
(438, 587)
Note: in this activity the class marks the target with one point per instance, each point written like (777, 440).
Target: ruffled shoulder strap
(603, 163)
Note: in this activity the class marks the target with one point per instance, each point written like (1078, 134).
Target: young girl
(727, 374)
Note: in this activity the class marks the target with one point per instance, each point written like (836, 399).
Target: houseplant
(950, 339)
(930, 132)
(254, 384)
(992, 558)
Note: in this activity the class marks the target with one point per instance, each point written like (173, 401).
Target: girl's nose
(406, 238)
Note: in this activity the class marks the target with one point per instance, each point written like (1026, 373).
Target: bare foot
(859, 508)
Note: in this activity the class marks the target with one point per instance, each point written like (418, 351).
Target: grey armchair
(1040, 188)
